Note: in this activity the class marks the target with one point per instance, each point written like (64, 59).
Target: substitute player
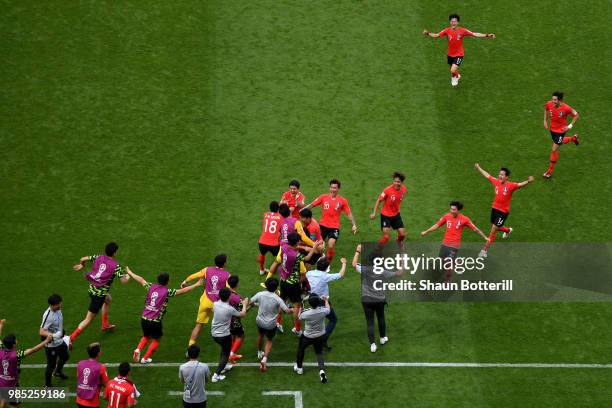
(455, 222)
(455, 35)
(121, 392)
(103, 272)
(390, 217)
(216, 279)
(504, 189)
(294, 198)
(156, 303)
(269, 238)
(558, 112)
(91, 378)
(333, 205)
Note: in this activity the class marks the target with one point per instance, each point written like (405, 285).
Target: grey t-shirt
(222, 318)
(194, 374)
(268, 303)
(315, 321)
(53, 322)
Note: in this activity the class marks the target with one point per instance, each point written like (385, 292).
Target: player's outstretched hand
(343, 260)
(530, 179)
(491, 35)
(183, 284)
(372, 216)
(77, 267)
(354, 229)
(49, 339)
(425, 32)
(200, 282)
(423, 233)
(477, 166)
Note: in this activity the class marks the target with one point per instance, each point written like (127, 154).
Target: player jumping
(558, 112)
(390, 217)
(504, 189)
(455, 35)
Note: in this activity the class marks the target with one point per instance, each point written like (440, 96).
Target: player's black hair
(9, 341)
(314, 300)
(220, 260)
(271, 284)
(284, 210)
(334, 181)
(293, 238)
(306, 213)
(558, 94)
(93, 350)
(111, 249)
(274, 206)
(322, 264)
(193, 351)
(454, 15)
(295, 183)
(54, 299)
(232, 281)
(124, 369)
(163, 278)
(224, 294)
(399, 175)
(506, 170)
(457, 204)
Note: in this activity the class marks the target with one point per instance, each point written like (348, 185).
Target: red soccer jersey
(454, 228)
(558, 116)
(503, 194)
(270, 229)
(294, 201)
(393, 199)
(314, 230)
(455, 40)
(119, 393)
(332, 207)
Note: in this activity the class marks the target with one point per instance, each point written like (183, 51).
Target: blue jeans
(331, 324)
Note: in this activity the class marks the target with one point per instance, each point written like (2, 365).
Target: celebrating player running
(558, 112)
(390, 217)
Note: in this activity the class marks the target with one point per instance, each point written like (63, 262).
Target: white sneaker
(506, 234)
(383, 340)
(261, 272)
(454, 81)
(482, 253)
(216, 377)
(260, 354)
(373, 347)
(298, 370)
(227, 368)
(145, 360)
(322, 376)
(279, 327)
(296, 332)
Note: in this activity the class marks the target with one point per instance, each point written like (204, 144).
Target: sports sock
(492, 237)
(384, 239)
(279, 319)
(142, 344)
(261, 260)
(298, 325)
(454, 74)
(568, 139)
(236, 344)
(152, 347)
(504, 229)
(105, 319)
(330, 253)
(554, 156)
(400, 238)
(75, 334)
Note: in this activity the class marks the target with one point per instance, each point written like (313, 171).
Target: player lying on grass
(333, 204)
(221, 329)
(154, 310)
(390, 217)
(269, 304)
(314, 333)
(504, 188)
(558, 112)
(454, 222)
(455, 35)
(215, 279)
(103, 272)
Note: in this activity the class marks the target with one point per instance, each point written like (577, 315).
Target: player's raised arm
(524, 183)
(429, 34)
(483, 35)
(433, 227)
(137, 278)
(198, 275)
(245, 303)
(186, 289)
(39, 345)
(482, 171)
(81, 263)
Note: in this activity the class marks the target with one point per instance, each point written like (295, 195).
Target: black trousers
(375, 308)
(56, 358)
(317, 343)
(194, 404)
(226, 348)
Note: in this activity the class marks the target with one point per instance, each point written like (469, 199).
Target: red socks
(400, 238)
(492, 237)
(279, 319)
(297, 324)
(142, 344)
(384, 239)
(454, 74)
(75, 334)
(104, 319)
(261, 261)
(504, 229)
(330, 254)
(554, 156)
(154, 345)
(568, 139)
(236, 344)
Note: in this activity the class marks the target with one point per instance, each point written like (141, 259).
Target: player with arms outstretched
(504, 189)
(455, 35)
(557, 112)
(390, 217)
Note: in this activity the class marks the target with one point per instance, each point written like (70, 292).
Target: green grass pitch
(169, 126)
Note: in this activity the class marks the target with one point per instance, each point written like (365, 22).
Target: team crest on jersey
(458, 36)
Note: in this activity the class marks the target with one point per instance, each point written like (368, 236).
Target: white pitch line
(371, 364)
(297, 395)
(208, 393)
